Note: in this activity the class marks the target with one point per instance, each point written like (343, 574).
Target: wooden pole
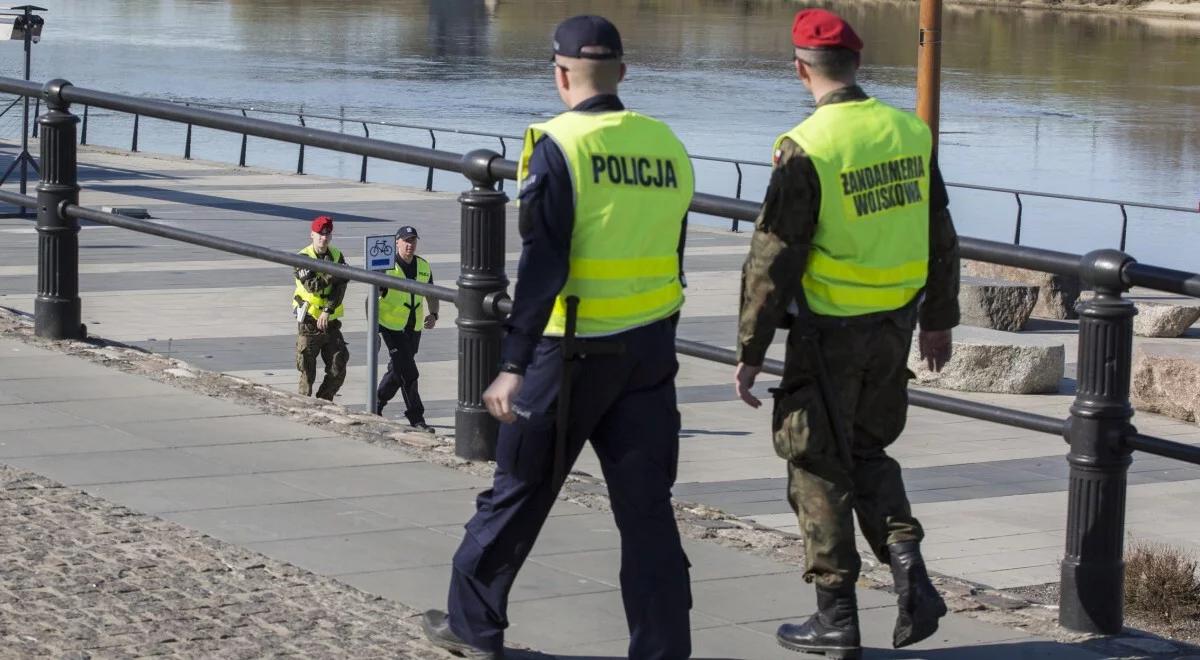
(929, 65)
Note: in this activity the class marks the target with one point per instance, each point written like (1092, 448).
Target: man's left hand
(430, 321)
(743, 382)
(498, 397)
(323, 321)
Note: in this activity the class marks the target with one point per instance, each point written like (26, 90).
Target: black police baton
(572, 350)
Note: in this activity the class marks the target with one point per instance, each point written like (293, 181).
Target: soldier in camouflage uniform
(853, 245)
(317, 302)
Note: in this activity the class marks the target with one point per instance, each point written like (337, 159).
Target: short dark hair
(834, 63)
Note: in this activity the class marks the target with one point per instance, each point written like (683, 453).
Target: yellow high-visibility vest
(870, 252)
(316, 301)
(397, 305)
(633, 184)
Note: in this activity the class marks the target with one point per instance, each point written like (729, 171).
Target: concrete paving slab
(440, 508)
(363, 552)
(191, 494)
(113, 385)
(568, 534)
(220, 430)
(19, 366)
(19, 417)
(604, 622)
(308, 454)
(68, 440)
(426, 587)
(386, 479)
(122, 466)
(276, 522)
(175, 406)
(716, 643)
(762, 597)
(709, 562)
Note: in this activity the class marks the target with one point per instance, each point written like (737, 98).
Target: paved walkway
(992, 497)
(371, 517)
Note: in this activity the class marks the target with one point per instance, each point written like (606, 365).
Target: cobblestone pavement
(82, 578)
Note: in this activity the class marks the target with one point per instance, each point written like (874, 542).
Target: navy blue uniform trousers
(625, 404)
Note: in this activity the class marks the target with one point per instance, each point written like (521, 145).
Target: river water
(1090, 104)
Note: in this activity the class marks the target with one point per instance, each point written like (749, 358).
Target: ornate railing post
(482, 276)
(1093, 569)
(56, 308)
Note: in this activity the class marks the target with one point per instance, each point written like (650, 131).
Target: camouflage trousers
(868, 378)
(331, 347)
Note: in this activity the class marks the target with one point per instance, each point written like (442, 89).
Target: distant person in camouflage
(853, 246)
(317, 303)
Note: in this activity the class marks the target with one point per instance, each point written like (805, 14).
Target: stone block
(1057, 294)
(1161, 316)
(993, 361)
(1166, 380)
(1163, 319)
(996, 304)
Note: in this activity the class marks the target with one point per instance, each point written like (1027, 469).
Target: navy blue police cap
(406, 232)
(588, 37)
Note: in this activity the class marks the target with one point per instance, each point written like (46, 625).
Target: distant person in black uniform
(603, 215)
(400, 323)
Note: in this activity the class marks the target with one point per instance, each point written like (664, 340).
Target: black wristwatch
(512, 368)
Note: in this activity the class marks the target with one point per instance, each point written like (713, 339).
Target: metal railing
(301, 116)
(1098, 427)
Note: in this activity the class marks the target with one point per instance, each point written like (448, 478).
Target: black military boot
(919, 603)
(832, 631)
(436, 626)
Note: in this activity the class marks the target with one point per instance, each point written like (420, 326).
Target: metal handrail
(1123, 205)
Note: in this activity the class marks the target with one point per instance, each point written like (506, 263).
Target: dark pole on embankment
(929, 65)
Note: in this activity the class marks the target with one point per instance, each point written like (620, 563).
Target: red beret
(818, 28)
(322, 224)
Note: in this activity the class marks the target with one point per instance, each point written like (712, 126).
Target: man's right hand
(323, 321)
(743, 382)
(498, 397)
(935, 347)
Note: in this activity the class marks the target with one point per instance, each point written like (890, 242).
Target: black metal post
(1093, 570)
(37, 111)
(300, 158)
(242, 157)
(56, 308)
(433, 145)
(137, 120)
(482, 277)
(83, 131)
(362, 175)
(1020, 210)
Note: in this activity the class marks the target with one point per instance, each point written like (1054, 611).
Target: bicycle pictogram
(380, 248)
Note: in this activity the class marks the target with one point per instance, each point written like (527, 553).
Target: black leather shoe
(422, 426)
(920, 606)
(436, 627)
(832, 631)
(379, 409)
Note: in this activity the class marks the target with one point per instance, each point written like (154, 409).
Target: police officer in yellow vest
(855, 236)
(604, 196)
(317, 302)
(401, 319)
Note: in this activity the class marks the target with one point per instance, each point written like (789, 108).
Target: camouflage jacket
(784, 231)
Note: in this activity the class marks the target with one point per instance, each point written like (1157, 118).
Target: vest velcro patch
(634, 171)
(877, 188)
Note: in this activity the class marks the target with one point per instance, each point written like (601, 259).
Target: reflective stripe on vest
(870, 250)
(397, 305)
(316, 301)
(633, 183)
